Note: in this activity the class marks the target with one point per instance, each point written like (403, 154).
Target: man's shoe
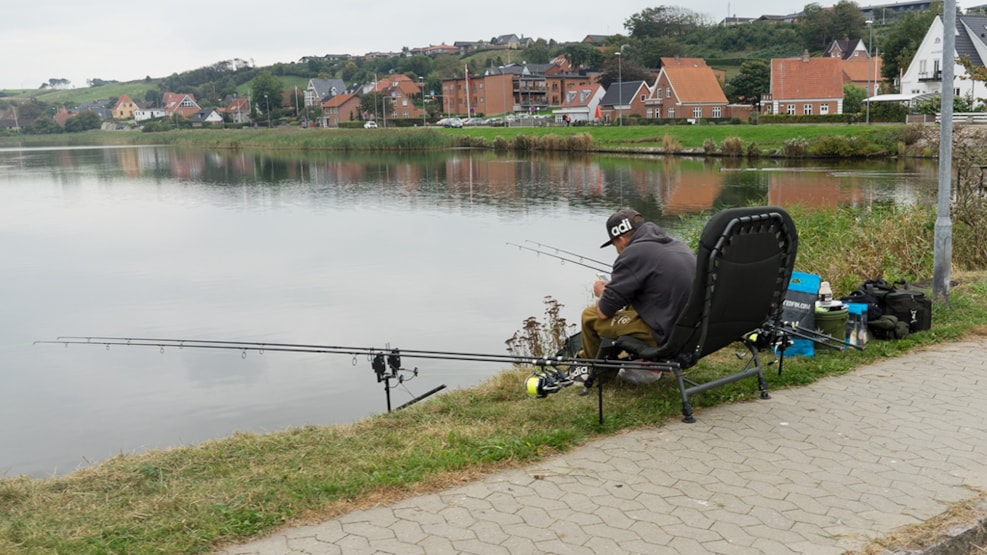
(579, 374)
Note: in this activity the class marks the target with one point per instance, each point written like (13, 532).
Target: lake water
(357, 250)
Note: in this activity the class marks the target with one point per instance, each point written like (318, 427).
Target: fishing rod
(599, 268)
(558, 250)
(548, 377)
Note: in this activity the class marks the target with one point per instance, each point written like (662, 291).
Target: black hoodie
(654, 275)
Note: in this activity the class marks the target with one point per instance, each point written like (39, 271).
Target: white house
(144, 114)
(581, 104)
(924, 74)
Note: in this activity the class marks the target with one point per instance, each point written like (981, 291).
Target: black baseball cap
(620, 223)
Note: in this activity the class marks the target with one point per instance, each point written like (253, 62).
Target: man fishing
(650, 285)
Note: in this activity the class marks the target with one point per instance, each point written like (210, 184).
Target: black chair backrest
(744, 263)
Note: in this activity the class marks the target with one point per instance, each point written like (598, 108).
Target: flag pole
(467, 68)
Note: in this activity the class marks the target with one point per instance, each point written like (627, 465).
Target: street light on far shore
(268, 101)
(870, 61)
(421, 85)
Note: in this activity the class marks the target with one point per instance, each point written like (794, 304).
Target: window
(668, 92)
(824, 109)
(791, 109)
(807, 109)
(649, 114)
(697, 112)
(671, 112)
(717, 112)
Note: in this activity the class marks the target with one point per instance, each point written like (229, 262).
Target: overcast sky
(110, 40)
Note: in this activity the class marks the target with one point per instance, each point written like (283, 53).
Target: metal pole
(620, 91)
(943, 247)
(421, 83)
(870, 60)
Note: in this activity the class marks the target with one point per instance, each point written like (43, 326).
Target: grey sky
(44, 39)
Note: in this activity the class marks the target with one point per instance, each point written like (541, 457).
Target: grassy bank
(194, 499)
(761, 140)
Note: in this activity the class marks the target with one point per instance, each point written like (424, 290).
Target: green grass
(134, 89)
(194, 499)
(649, 139)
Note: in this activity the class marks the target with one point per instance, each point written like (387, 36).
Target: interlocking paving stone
(821, 469)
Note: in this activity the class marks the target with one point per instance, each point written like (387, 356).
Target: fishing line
(599, 267)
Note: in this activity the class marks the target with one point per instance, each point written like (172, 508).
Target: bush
(753, 151)
(796, 147)
(670, 144)
(733, 147)
(841, 146)
(969, 209)
(709, 146)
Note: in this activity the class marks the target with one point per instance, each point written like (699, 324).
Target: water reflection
(318, 248)
(660, 186)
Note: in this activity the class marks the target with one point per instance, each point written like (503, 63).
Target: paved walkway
(820, 469)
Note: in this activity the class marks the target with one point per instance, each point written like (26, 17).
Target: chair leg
(686, 406)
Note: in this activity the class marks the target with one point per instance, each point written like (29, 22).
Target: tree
(153, 96)
(623, 70)
(580, 55)
(44, 125)
(848, 21)
(752, 81)
(538, 52)
(822, 26)
(853, 98)
(83, 122)
(662, 21)
(372, 105)
(267, 89)
(899, 43)
(974, 72)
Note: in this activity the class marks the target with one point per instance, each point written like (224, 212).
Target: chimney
(805, 56)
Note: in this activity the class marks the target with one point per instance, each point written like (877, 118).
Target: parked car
(473, 121)
(450, 122)
(370, 125)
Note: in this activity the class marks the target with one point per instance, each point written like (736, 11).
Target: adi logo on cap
(623, 227)
(620, 222)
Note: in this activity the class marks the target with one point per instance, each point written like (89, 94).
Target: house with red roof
(124, 108)
(805, 86)
(580, 104)
(340, 108)
(238, 110)
(623, 100)
(179, 103)
(860, 69)
(686, 88)
(401, 92)
(864, 73)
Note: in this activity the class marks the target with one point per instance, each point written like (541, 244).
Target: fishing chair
(743, 266)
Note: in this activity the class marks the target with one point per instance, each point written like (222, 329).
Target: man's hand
(598, 287)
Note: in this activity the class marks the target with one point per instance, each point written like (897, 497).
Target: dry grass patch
(962, 522)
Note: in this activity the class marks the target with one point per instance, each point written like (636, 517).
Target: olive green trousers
(625, 322)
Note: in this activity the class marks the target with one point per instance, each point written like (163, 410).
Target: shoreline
(779, 141)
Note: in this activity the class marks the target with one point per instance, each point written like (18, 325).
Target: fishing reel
(545, 381)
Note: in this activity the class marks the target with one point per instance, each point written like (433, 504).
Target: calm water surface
(359, 250)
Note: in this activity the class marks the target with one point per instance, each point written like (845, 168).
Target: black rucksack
(892, 311)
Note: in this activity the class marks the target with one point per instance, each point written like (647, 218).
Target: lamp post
(268, 101)
(421, 85)
(620, 92)
(870, 60)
